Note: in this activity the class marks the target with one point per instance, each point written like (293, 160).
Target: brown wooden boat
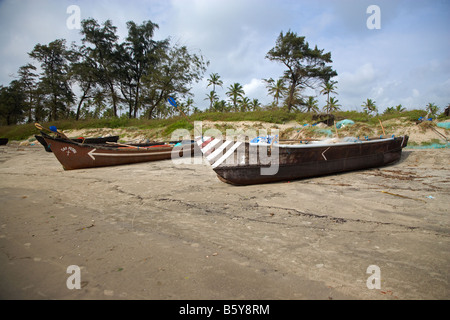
(74, 155)
(245, 163)
(100, 140)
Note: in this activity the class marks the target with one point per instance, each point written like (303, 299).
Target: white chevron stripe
(210, 145)
(218, 151)
(226, 155)
(200, 140)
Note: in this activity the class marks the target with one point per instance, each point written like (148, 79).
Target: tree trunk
(30, 111)
(291, 96)
(79, 107)
(113, 97)
(54, 112)
(136, 102)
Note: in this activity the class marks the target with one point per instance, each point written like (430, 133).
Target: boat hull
(74, 155)
(294, 163)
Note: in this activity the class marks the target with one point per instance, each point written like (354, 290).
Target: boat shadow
(404, 156)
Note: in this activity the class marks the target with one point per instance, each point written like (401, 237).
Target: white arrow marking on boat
(92, 153)
(323, 153)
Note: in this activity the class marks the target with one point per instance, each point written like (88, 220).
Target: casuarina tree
(306, 67)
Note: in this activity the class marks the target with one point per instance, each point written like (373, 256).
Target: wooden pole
(335, 129)
(382, 127)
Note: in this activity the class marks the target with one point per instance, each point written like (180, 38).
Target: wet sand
(162, 230)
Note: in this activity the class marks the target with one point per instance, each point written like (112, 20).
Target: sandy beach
(164, 230)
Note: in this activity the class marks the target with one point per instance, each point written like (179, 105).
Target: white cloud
(256, 89)
(356, 86)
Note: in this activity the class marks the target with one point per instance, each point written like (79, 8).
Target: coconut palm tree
(311, 105)
(396, 109)
(399, 108)
(185, 107)
(255, 105)
(212, 97)
(333, 105)
(245, 104)
(214, 80)
(196, 110)
(369, 106)
(235, 92)
(389, 110)
(327, 88)
(296, 100)
(220, 106)
(432, 109)
(189, 103)
(276, 88)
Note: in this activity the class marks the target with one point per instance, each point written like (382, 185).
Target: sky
(397, 54)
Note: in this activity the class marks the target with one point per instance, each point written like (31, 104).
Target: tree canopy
(101, 76)
(306, 67)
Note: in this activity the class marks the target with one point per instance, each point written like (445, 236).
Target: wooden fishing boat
(100, 140)
(245, 163)
(74, 155)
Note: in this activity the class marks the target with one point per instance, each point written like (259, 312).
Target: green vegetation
(167, 126)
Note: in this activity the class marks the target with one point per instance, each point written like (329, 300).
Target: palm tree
(369, 106)
(196, 110)
(245, 104)
(333, 105)
(276, 88)
(220, 106)
(295, 100)
(396, 109)
(390, 110)
(432, 109)
(399, 108)
(235, 91)
(189, 103)
(185, 107)
(327, 88)
(311, 105)
(212, 97)
(255, 105)
(214, 80)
